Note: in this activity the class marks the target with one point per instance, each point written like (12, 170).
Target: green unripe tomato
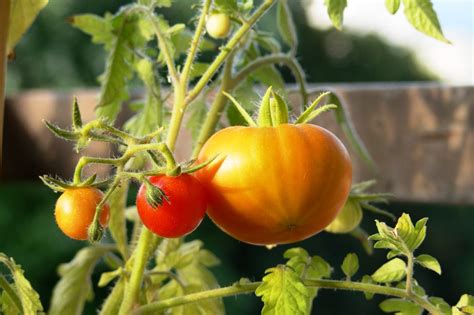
(348, 219)
(218, 25)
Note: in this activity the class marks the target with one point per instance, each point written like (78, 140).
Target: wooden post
(4, 24)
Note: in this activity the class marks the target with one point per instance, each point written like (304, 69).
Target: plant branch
(83, 161)
(227, 49)
(195, 44)
(252, 286)
(285, 59)
(217, 106)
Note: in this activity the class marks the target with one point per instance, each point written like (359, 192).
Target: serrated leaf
(429, 262)
(368, 279)
(148, 119)
(29, 298)
(392, 6)
(197, 110)
(100, 29)
(402, 307)
(227, 6)
(422, 16)
(440, 304)
(22, 15)
(75, 287)
(350, 265)
(412, 235)
(286, 25)
(7, 306)
(117, 228)
(283, 292)
(336, 11)
(298, 259)
(392, 271)
(464, 306)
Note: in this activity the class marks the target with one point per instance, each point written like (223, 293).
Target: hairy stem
(217, 106)
(195, 44)
(322, 284)
(227, 49)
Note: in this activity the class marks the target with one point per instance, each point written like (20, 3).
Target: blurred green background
(54, 55)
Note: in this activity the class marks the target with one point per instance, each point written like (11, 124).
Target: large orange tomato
(275, 185)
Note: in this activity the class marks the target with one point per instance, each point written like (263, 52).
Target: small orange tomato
(275, 185)
(75, 210)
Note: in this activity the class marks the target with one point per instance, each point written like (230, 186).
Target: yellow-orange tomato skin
(275, 185)
(75, 210)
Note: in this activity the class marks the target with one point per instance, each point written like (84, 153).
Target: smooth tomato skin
(218, 25)
(184, 211)
(275, 185)
(75, 210)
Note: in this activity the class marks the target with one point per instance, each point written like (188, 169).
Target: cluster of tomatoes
(268, 185)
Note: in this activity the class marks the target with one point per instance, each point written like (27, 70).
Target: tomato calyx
(273, 110)
(154, 196)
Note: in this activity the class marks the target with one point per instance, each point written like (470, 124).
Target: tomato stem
(252, 286)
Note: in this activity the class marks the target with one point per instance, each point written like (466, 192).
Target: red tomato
(275, 185)
(181, 213)
(75, 210)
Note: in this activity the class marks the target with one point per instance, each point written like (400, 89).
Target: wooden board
(420, 135)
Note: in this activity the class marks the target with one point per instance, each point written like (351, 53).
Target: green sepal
(89, 181)
(102, 184)
(154, 195)
(56, 184)
(76, 115)
(95, 231)
(278, 109)
(264, 114)
(304, 116)
(241, 110)
(61, 133)
(187, 167)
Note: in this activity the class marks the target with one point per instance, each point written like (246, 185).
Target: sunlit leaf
(422, 16)
(335, 11)
(392, 271)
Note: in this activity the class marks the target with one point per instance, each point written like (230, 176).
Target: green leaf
(336, 11)
(464, 306)
(75, 287)
(197, 115)
(109, 276)
(226, 6)
(368, 279)
(350, 265)
(117, 228)
(422, 16)
(392, 271)
(429, 262)
(392, 6)
(304, 116)
(286, 25)
(158, 3)
(298, 259)
(7, 306)
(440, 304)
(268, 43)
(283, 292)
(100, 29)
(344, 121)
(118, 71)
(413, 236)
(198, 69)
(22, 15)
(402, 307)
(29, 298)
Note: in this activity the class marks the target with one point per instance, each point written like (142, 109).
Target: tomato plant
(181, 210)
(266, 182)
(75, 210)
